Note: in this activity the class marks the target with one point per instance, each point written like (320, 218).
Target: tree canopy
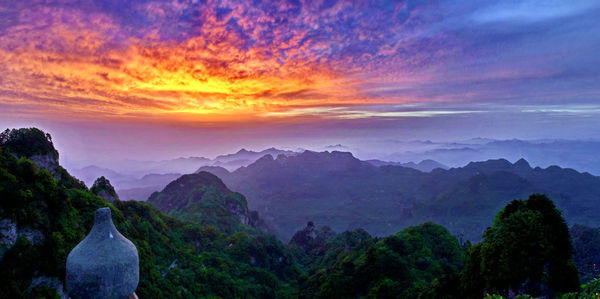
(28, 142)
(527, 250)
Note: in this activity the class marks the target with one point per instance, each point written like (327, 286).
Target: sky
(160, 79)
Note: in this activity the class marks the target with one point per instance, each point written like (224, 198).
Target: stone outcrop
(105, 264)
(10, 233)
(47, 161)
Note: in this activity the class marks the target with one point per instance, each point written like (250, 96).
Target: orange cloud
(76, 64)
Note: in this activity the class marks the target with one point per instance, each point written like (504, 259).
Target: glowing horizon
(279, 70)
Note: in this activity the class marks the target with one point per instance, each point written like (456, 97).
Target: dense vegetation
(418, 261)
(176, 258)
(28, 142)
(204, 198)
(104, 189)
(586, 242)
(526, 250)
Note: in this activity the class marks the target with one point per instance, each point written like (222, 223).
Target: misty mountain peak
(243, 151)
(492, 164)
(265, 158)
(522, 163)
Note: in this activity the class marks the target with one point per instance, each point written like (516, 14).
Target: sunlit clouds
(86, 65)
(230, 61)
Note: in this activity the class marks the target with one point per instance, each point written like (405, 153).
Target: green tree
(28, 142)
(527, 250)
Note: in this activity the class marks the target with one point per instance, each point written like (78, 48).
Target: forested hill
(336, 189)
(43, 216)
(204, 198)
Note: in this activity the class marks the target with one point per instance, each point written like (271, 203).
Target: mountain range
(131, 185)
(137, 180)
(345, 193)
(576, 154)
(424, 166)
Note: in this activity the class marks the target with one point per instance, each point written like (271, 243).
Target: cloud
(242, 60)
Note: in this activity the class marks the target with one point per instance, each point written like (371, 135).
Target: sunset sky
(152, 79)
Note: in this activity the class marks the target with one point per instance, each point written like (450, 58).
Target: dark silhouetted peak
(104, 189)
(424, 166)
(246, 157)
(326, 156)
(243, 151)
(522, 163)
(324, 161)
(343, 154)
(429, 165)
(490, 165)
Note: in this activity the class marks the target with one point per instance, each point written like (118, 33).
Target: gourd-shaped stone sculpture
(105, 264)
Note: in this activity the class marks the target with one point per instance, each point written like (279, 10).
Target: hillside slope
(42, 218)
(202, 197)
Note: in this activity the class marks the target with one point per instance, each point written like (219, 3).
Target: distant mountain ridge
(338, 190)
(424, 166)
(245, 157)
(127, 176)
(136, 180)
(577, 154)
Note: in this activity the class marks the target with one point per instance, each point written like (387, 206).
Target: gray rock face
(34, 236)
(107, 196)
(47, 161)
(105, 264)
(104, 189)
(8, 235)
(10, 232)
